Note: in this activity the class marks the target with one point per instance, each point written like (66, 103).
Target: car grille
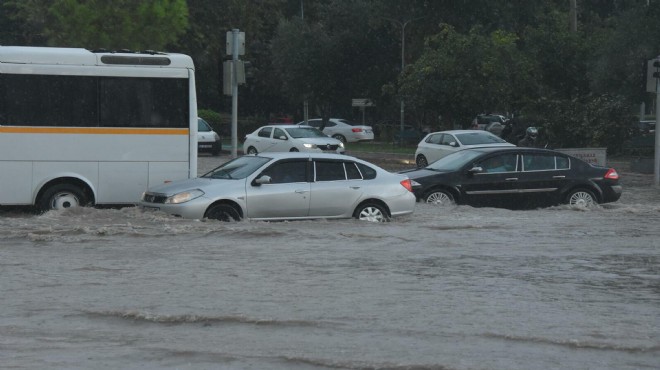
(328, 147)
(154, 198)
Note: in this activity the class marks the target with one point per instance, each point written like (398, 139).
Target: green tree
(337, 57)
(459, 76)
(116, 24)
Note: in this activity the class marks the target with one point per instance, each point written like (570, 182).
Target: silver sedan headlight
(341, 145)
(184, 196)
(309, 146)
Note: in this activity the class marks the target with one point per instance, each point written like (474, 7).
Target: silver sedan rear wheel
(440, 198)
(371, 212)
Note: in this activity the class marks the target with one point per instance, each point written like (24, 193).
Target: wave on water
(576, 343)
(149, 317)
(361, 365)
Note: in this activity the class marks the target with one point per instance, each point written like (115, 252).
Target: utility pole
(573, 14)
(234, 94)
(305, 103)
(403, 25)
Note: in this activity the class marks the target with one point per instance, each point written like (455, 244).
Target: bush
(593, 121)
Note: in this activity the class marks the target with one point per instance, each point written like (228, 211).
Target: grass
(360, 147)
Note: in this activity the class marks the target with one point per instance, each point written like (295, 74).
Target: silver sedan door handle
(354, 187)
(302, 191)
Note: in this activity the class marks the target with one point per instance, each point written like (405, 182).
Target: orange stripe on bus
(93, 130)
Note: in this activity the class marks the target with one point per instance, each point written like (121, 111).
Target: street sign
(241, 43)
(363, 103)
(651, 81)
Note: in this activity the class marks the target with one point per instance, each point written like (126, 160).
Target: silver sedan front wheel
(440, 198)
(371, 212)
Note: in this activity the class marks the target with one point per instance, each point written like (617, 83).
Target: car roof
(283, 126)
(492, 149)
(282, 155)
(462, 132)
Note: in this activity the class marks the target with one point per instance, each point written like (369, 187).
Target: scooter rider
(531, 136)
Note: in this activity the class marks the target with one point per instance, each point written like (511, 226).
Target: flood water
(463, 288)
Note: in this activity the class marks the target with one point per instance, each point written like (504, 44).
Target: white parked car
(343, 130)
(290, 138)
(279, 186)
(439, 144)
(208, 141)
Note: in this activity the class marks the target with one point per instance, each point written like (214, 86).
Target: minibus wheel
(62, 196)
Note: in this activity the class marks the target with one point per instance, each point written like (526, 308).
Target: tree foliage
(116, 24)
(462, 57)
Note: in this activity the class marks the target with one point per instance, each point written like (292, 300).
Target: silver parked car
(290, 138)
(343, 130)
(439, 144)
(278, 186)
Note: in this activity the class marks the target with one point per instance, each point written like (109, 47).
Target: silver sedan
(278, 186)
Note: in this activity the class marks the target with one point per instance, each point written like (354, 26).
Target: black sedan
(514, 178)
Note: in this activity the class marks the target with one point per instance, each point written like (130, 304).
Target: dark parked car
(514, 177)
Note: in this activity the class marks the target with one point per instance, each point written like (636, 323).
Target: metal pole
(234, 94)
(403, 61)
(656, 163)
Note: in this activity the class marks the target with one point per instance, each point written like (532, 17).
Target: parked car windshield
(300, 132)
(474, 138)
(203, 126)
(454, 161)
(238, 168)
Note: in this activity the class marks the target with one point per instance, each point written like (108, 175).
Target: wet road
(464, 288)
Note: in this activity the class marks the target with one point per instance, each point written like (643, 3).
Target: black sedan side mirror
(475, 169)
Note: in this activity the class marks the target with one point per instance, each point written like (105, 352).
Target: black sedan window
(500, 163)
(538, 162)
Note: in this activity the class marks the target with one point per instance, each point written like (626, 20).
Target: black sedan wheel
(439, 198)
(421, 161)
(222, 212)
(581, 198)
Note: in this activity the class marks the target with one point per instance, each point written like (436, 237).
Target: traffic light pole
(656, 163)
(234, 95)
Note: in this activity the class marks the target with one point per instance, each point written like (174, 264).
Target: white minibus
(79, 127)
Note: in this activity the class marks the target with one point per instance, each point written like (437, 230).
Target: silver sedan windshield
(238, 168)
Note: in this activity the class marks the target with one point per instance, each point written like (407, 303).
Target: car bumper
(403, 204)
(209, 146)
(193, 209)
(365, 136)
(612, 193)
